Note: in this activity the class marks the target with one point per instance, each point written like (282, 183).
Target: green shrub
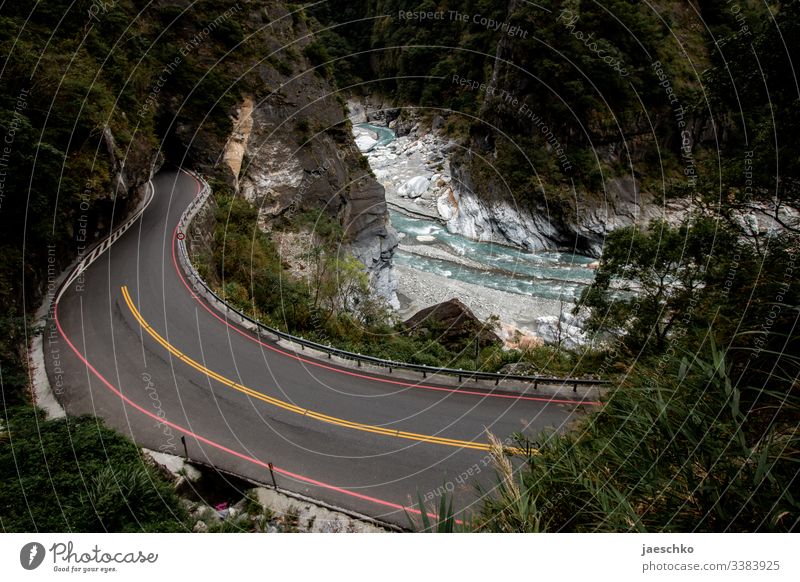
(252, 505)
(675, 448)
(238, 524)
(318, 55)
(80, 476)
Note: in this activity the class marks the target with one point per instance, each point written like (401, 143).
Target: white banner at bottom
(389, 557)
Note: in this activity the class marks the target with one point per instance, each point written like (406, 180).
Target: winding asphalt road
(137, 348)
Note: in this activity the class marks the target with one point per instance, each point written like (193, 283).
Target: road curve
(137, 348)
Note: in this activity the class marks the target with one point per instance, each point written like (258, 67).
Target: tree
(338, 283)
(649, 281)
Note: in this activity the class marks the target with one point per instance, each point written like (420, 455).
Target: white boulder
(365, 142)
(445, 206)
(415, 187)
(566, 329)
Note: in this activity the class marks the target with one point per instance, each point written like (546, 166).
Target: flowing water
(549, 275)
(385, 135)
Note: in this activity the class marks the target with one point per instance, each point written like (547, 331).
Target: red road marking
(223, 448)
(355, 374)
(253, 460)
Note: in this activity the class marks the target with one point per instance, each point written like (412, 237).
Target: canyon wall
(296, 154)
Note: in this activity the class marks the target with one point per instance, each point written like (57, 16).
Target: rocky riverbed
(519, 315)
(414, 171)
(531, 294)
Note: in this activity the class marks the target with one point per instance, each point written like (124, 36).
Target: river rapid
(526, 290)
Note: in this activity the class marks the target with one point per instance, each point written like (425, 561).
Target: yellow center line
(291, 407)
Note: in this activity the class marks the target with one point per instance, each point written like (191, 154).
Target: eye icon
(31, 555)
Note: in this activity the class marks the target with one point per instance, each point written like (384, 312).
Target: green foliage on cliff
(618, 87)
(551, 60)
(752, 81)
(89, 91)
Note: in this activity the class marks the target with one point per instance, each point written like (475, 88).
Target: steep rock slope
(299, 154)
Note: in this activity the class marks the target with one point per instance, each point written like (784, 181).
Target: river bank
(418, 289)
(528, 292)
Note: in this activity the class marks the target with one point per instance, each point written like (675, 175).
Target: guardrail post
(575, 387)
(424, 373)
(536, 384)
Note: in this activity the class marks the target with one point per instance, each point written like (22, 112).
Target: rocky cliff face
(557, 142)
(293, 152)
(128, 183)
(479, 212)
(561, 207)
(274, 132)
(481, 208)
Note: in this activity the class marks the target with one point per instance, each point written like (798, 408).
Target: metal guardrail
(96, 249)
(202, 289)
